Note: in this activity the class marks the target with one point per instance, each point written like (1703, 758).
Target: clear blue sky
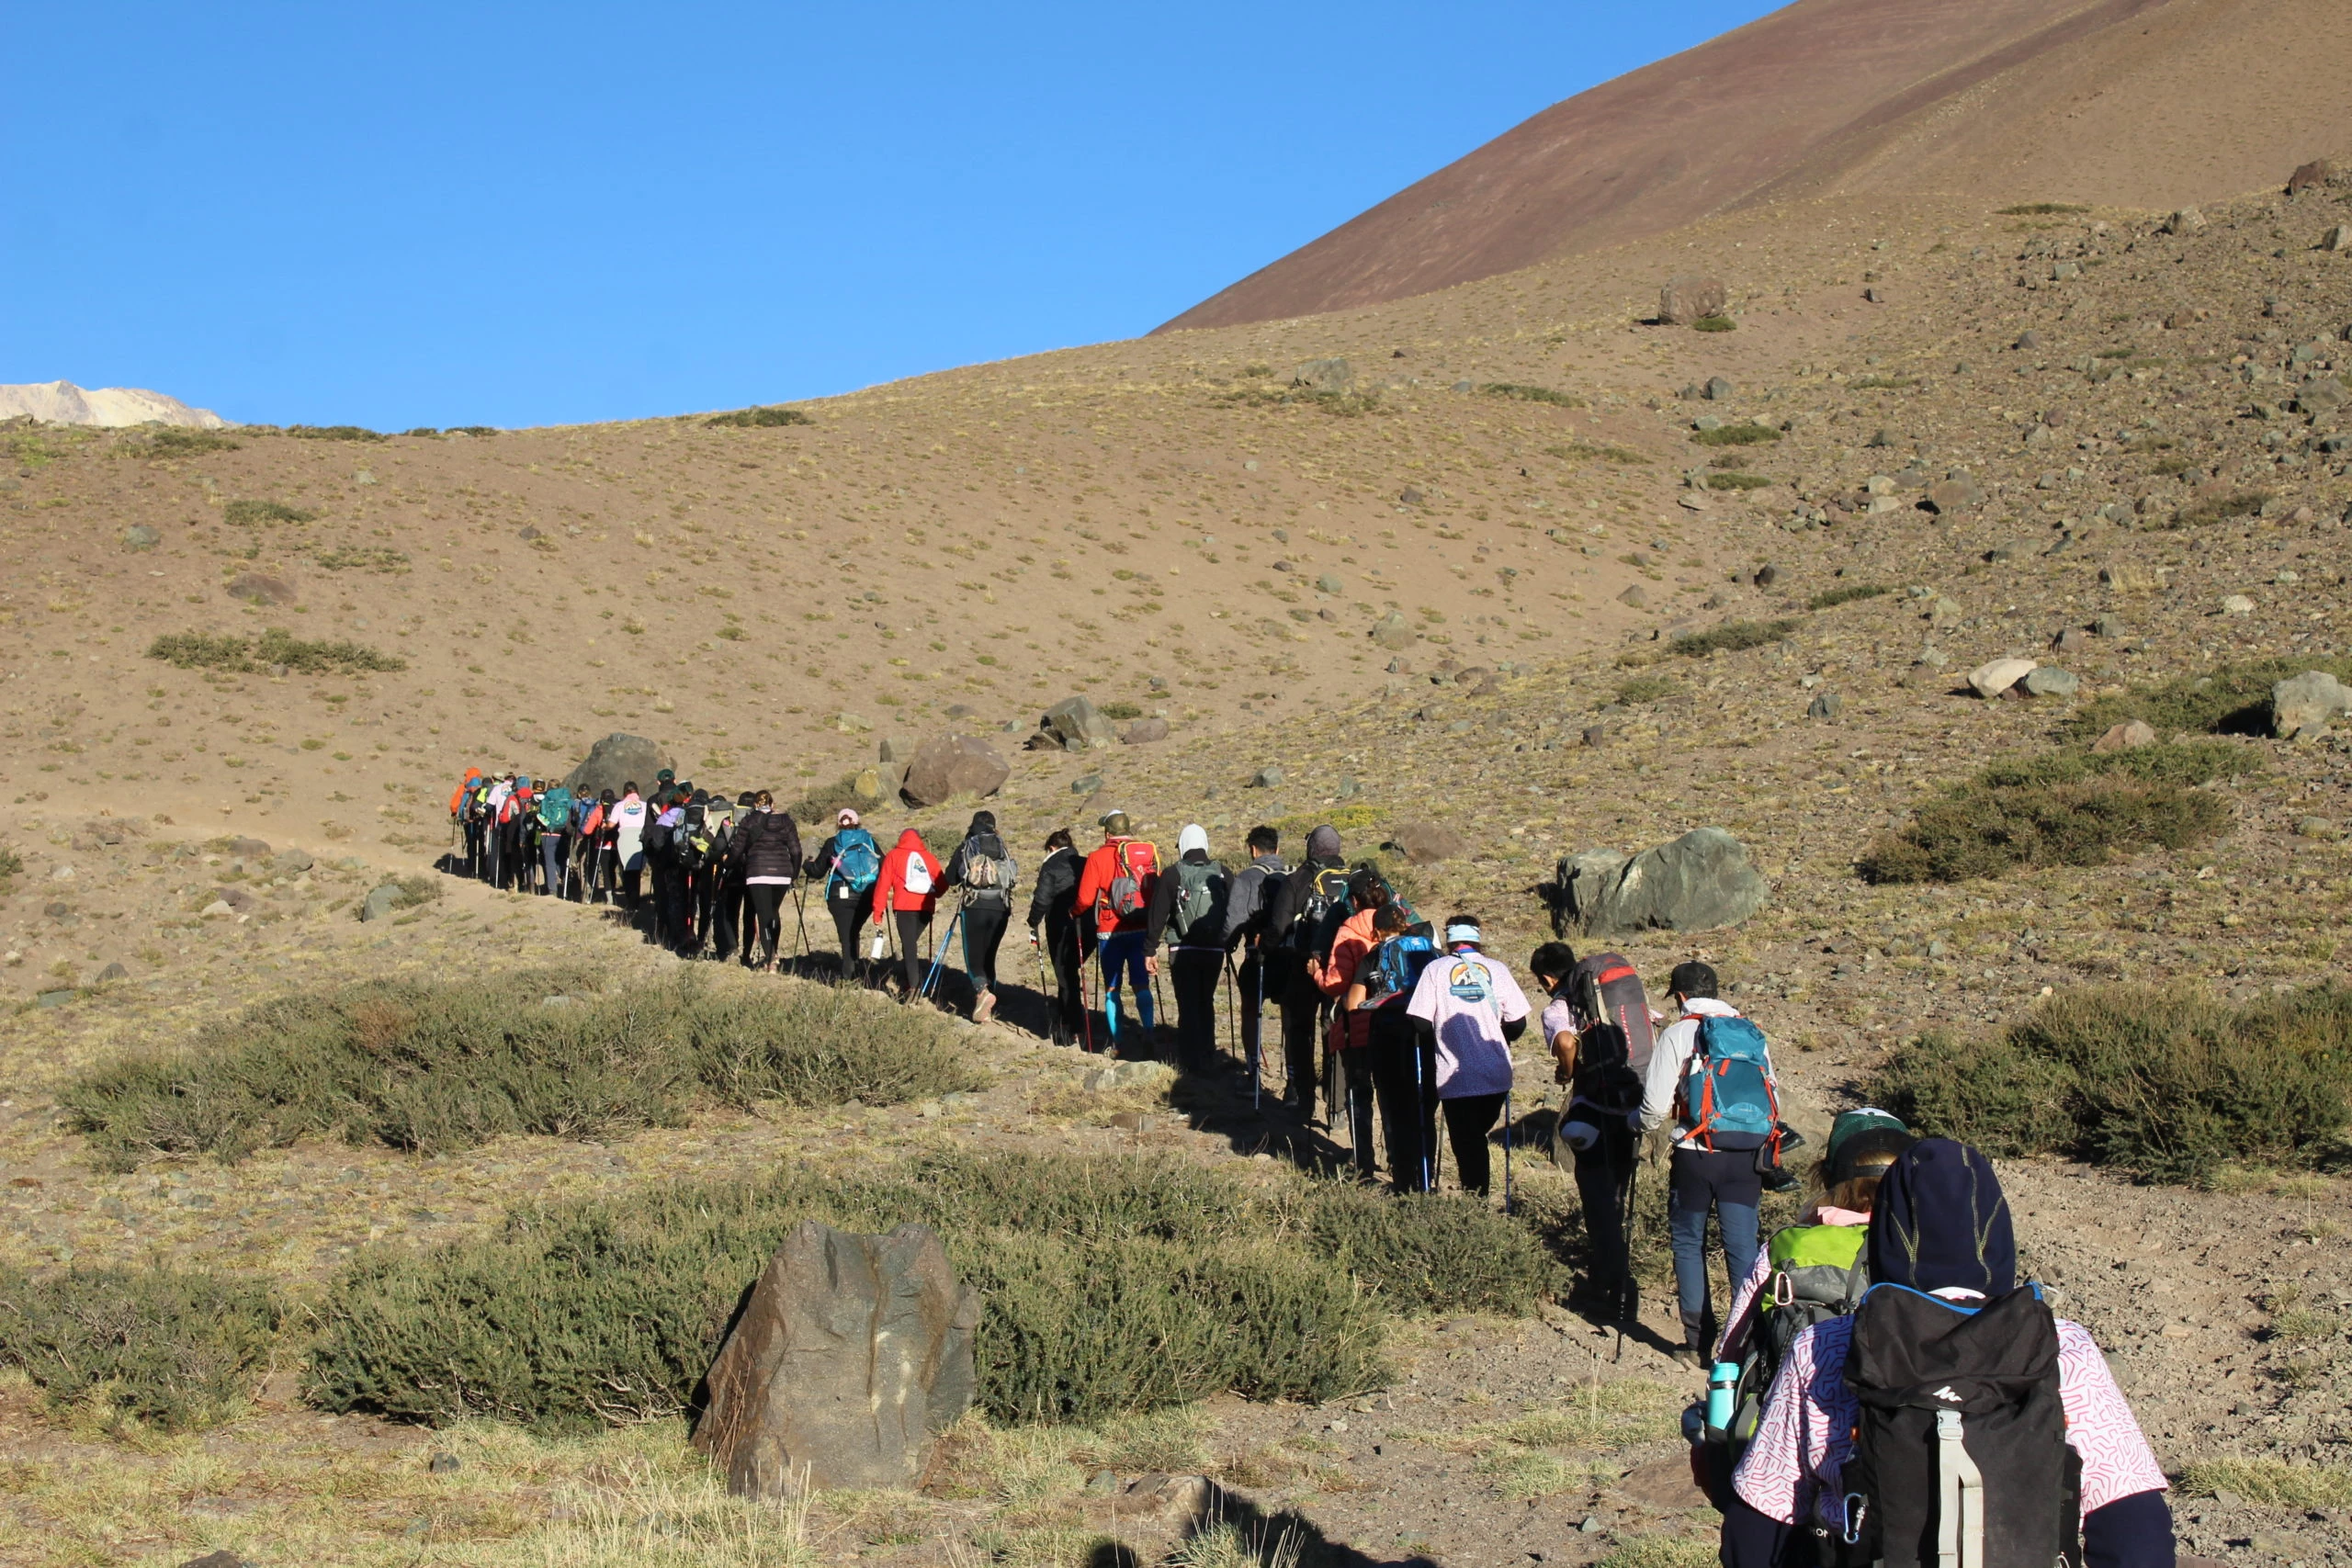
(530, 214)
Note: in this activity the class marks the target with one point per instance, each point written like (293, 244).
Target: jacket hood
(1194, 837)
(1323, 843)
(911, 839)
(472, 774)
(1942, 1223)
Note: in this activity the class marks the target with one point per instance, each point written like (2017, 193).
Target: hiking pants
(764, 928)
(551, 858)
(1726, 1181)
(911, 924)
(1468, 1119)
(1404, 1072)
(1069, 976)
(492, 869)
(1604, 1173)
(633, 889)
(1249, 980)
(669, 898)
(848, 908)
(1357, 1096)
(984, 923)
(1301, 1010)
(1194, 973)
(726, 916)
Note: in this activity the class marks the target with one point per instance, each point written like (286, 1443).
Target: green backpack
(1196, 902)
(555, 811)
(1817, 1272)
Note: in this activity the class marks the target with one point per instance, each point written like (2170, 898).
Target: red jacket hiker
(890, 889)
(1102, 868)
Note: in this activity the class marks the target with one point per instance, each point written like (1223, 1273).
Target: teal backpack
(1402, 959)
(857, 860)
(555, 810)
(1728, 1098)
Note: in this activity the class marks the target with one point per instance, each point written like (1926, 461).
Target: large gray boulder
(950, 765)
(2307, 704)
(1078, 725)
(1687, 300)
(1702, 881)
(853, 1354)
(615, 761)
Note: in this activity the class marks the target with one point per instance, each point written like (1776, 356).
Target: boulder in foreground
(1703, 881)
(1687, 300)
(615, 761)
(950, 765)
(2307, 704)
(853, 1354)
(1075, 724)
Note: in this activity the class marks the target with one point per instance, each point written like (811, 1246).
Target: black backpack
(1615, 1046)
(1961, 1442)
(1322, 910)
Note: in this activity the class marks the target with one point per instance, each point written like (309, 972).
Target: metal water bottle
(1723, 1392)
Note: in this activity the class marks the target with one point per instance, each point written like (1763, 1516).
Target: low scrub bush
(435, 1066)
(1642, 689)
(2040, 209)
(275, 647)
(1736, 481)
(2220, 508)
(2270, 1482)
(176, 441)
(825, 802)
(1714, 324)
(161, 1347)
(249, 514)
(2167, 1083)
(1883, 383)
(2063, 808)
(334, 433)
(1736, 436)
(1596, 452)
(754, 418)
(1832, 598)
(1524, 394)
(1732, 637)
(1121, 710)
(1111, 1285)
(2232, 700)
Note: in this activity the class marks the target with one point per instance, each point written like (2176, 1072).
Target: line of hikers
(1882, 1390)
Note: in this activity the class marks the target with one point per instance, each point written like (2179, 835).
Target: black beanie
(1942, 1223)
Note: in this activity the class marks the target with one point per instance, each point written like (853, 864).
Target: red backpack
(1138, 867)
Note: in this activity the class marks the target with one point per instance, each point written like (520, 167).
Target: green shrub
(1714, 324)
(334, 433)
(176, 441)
(1121, 710)
(249, 514)
(2220, 508)
(251, 656)
(2063, 808)
(422, 430)
(2040, 209)
(2232, 700)
(1524, 394)
(11, 865)
(1432, 1253)
(439, 1065)
(1736, 481)
(173, 1348)
(1832, 598)
(753, 418)
(1343, 405)
(1736, 436)
(2167, 1083)
(1646, 688)
(1882, 383)
(1596, 452)
(2270, 1482)
(1732, 637)
(826, 801)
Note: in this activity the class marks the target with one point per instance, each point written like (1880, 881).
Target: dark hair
(1266, 838)
(763, 798)
(1555, 960)
(1058, 840)
(605, 799)
(1693, 978)
(1460, 919)
(1368, 890)
(1391, 918)
(629, 788)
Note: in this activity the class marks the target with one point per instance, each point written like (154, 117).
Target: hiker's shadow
(1230, 1529)
(1218, 1098)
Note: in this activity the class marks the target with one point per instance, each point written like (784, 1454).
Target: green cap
(1863, 1140)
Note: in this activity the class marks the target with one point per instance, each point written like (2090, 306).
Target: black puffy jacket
(767, 843)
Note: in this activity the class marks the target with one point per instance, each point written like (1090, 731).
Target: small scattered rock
(2317, 828)
(260, 588)
(1633, 597)
(1955, 495)
(1425, 843)
(2048, 681)
(2129, 736)
(1825, 705)
(1077, 725)
(380, 904)
(1393, 632)
(1991, 679)
(2237, 604)
(138, 537)
(1269, 777)
(1719, 389)
(2307, 704)
(1144, 731)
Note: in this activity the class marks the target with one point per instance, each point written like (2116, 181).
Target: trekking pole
(1506, 1208)
(939, 954)
(1423, 1133)
(1252, 1038)
(1233, 1004)
(801, 911)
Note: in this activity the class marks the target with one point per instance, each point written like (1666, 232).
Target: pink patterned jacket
(1801, 1449)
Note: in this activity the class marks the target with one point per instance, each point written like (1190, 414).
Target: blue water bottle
(1723, 1392)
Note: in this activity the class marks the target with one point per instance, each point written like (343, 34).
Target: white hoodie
(629, 832)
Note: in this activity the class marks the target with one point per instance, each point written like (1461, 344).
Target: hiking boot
(984, 1009)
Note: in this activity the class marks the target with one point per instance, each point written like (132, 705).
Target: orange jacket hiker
(1112, 859)
(909, 861)
(457, 796)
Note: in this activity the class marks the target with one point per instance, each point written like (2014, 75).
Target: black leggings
(1069, 977)
(1468, 1119)
(984, 926)
(849, 910)
(911, 924)
(767, 899)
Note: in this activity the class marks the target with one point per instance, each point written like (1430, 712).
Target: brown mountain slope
(2137, 103)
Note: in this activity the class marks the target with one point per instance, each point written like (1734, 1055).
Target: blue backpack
(857, 860)
(1402, 959)
(1728, 1098)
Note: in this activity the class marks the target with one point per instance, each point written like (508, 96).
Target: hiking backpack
(987, 875)
(1960, 1446)
(555, 811)
(1402, 959)
(857, 860)
(1195, 900)
(915, 876)
(1816, 1272)
(1728, 1098)
(1614, 1048)
(1322, 910)
(692, 838)
(1138, 868)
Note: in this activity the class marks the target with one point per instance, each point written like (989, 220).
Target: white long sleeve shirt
(1670, 1059)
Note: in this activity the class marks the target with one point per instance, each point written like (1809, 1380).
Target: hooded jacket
(1348, 950)
(457, 796)
(891, 890)
(982, 838)
(1209, 930)
(767, 846)
(1256, 889)
(1102, 868)
(1053, 897)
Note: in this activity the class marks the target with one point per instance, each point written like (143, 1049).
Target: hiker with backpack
(1379, 1052)
(1187, 911)
(905, 893)
(851, 863)
(1951, 1417)
(1472, 1008)
(710, 824)
(1710, 1074)
(1330, 968)
(1601, 1031)
(493, 808)
(1114, 891)
(626, 820)
(555, 837)
(1053, 900)
(1308, 910)
(663, 868)
(1250, 932)
(983, 873)
(766, 854)
(461, 820)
